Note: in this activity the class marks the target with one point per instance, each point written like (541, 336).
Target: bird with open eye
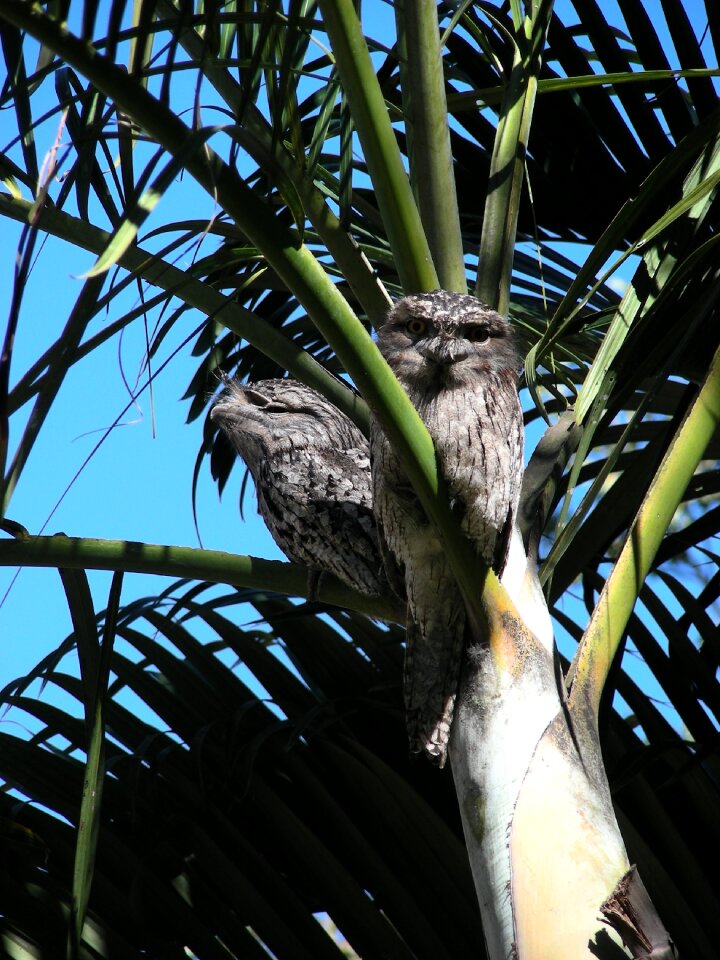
(311, 469)
(458, 362)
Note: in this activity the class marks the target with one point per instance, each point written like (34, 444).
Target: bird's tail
(431, 677)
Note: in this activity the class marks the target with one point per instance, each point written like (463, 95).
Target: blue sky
(136, 486)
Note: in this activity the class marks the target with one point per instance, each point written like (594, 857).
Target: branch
(213, 566)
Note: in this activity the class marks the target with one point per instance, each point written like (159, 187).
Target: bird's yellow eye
(416, 327)
(476, 333)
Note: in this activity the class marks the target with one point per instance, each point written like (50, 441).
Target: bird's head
(446, 339)
(272, 417)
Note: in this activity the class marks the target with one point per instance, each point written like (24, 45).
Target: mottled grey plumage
(311, 469)
(458, 363)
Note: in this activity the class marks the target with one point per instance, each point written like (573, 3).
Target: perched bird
(311, 469)
(457, 360)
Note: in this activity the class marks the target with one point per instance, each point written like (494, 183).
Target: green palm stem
(606, 628)
(428, 135)
(507, 166)
(382, 155)
(497, 244)
(461, 102)
(213, 566)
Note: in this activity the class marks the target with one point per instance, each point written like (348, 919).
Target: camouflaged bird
(311, 469)
(457, 360)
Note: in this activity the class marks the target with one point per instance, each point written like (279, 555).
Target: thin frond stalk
(370, 116)
(212, 566)
(57, 370)
(428, 134)
(497, 245)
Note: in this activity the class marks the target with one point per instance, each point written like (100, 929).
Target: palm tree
(272, 811)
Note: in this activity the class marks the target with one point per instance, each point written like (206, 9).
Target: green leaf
(127, 230)
(605, 630)
(91, 804)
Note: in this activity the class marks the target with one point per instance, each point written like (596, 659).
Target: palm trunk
(544, 844)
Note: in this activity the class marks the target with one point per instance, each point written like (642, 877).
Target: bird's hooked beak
(443, 350)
